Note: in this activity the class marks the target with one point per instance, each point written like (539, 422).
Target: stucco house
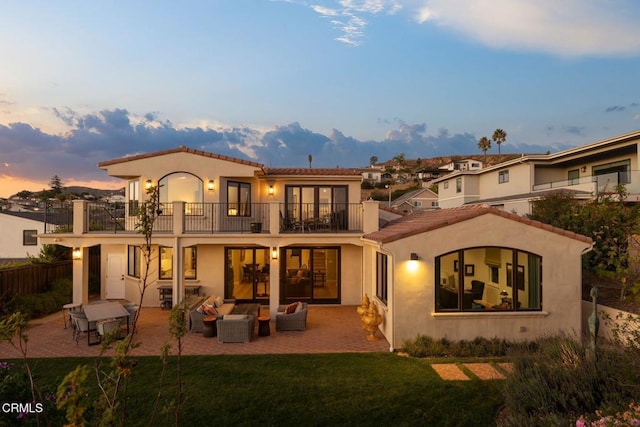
(238, 229)
(586, 171)
(416, 200)
(18, 239)
(474, 271)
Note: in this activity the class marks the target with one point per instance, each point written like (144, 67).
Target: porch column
(79, 211)
(274, 217)
(178, 268)
(178, 217)
(81, 277)
(274, 283)
(370, 215)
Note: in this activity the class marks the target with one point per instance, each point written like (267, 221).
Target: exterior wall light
(211, 185)
(272, 190)
(148, 184)
(76, 253)
(414, 256)
(274, 253)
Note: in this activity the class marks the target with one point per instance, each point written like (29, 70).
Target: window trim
(503, 176)
(184, 263)
(133, 270)
(29, 238)
(459, 277)
(242, 208)
(458, 185)
(382, 277)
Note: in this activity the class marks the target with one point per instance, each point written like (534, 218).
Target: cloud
(614, 108)
(29, 153)
(349, 16)
(565, 28)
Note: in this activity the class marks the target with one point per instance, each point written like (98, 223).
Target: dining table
(104, 311)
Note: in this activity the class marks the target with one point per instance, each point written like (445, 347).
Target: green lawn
(329, 389)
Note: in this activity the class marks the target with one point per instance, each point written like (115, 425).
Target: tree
(373, 160)
(484, 144)
(309, 159)
(56, 185)
(499, 136)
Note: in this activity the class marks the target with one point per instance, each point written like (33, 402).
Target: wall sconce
(76, 253)
(148, 184)
(414, 256)
(583, 169)
(211, 185)
(272, 190)
(274, 253)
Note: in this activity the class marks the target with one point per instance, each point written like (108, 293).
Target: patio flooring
(330, 329)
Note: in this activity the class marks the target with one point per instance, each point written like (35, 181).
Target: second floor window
(134, 196)
(503, 176)
(458, 185)
(238, 198)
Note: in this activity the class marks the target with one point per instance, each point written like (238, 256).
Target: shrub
(425, 346)
(38, 305)
(559, 379)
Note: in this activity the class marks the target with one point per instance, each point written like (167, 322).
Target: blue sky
(274, 81)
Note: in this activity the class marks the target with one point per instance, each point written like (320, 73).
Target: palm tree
(309, 159)
(499, 136)
(484, 144)
(373, 160)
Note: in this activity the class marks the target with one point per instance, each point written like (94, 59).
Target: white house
(18, 239)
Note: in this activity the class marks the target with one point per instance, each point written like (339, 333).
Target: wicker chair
(291, 322)
(82, 326)
(235, 328)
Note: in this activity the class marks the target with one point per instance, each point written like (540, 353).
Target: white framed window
(445, 185)
(503, 176)
(458, 185)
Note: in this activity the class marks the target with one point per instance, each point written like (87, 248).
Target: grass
(309, 390)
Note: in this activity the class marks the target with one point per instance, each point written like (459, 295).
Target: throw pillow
(210, 310)
(291, 308)
(219, 301)
(200, 309)
(298, 307)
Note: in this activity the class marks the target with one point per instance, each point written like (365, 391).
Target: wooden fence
(34, 279)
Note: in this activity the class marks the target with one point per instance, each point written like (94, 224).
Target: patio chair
(108, 327)
(235, 328)
(82, 326)
(296, 321)
(127, 322)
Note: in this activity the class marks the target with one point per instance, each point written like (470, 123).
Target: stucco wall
(413, 303)
(11, 237)
(519, 181)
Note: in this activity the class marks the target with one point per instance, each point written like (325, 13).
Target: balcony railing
(321, 217)
(226, 218)
(596, 184)
(115, 218)
(98, 217)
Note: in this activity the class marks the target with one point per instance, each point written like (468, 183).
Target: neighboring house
(474, 271)
(416, 200)
(18, 239)
(462, 165)
(586, 171)
(237, 229)
(371, 174)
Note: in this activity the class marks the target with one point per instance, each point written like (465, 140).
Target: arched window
(488, 279)
(181, 187)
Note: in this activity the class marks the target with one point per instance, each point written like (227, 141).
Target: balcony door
(317, 205)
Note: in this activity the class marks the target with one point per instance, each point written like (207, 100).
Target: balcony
(80, 217)
(596, 184)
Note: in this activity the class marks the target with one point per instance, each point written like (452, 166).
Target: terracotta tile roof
(421, 222)
(180, 149)
(312, 171)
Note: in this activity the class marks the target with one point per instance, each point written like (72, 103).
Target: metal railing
(58, 217)
(104, 217)
(321, 217)
(226, 218)
(594, 183)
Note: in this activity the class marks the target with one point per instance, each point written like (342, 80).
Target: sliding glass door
(310, 274)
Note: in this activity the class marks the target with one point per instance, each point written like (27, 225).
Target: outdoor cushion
(225, 308)
(291, 308)
(235, 316)
(219, 301)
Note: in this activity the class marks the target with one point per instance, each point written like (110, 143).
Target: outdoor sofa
(292, 321)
